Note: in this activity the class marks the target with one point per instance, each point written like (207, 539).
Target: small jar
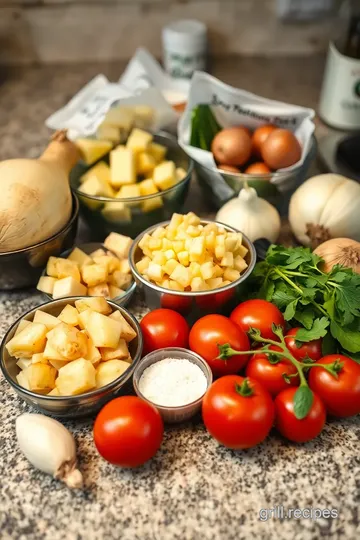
(184, 48)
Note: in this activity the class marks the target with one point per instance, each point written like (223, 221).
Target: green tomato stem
(299, 290)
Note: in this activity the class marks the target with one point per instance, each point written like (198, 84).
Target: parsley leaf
(305, 317)
(348, 339)
(318, 330)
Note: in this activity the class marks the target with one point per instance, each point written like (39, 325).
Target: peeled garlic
(49, 446)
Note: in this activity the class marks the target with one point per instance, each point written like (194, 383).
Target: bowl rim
(124, 377)
(74, 216)
(192, 294)
(128, 293)
(173, 408)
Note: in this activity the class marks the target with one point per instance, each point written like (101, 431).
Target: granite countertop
(193, 488)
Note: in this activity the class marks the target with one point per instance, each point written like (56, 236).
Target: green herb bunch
(327, 305)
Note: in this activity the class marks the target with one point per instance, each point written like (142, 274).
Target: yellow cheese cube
(231, 275)
(139, 140)
(97, 187)
(239, 263)
(158, 151)
(145, 163)
(181, 275)
(91, 149)
(117, 212)
(109, 133)
(183, 257)
(207, 270)
(121, 117)
(227, 260)
(122, 166)
(170, 266)
(101, 170)
(164, 175)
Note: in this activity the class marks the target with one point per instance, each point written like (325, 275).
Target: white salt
(173, 382)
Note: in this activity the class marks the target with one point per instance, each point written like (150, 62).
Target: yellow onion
(343, 251)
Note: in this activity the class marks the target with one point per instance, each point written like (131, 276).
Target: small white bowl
(173, 415)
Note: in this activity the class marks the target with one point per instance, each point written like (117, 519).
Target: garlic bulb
(325, 206)
(251, 215)
(49, 446)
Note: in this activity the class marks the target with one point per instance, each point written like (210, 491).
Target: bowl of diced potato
(191, 265)
(130, 186)
(70, 356)
(91, 269)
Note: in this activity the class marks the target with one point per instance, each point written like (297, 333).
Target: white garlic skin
(49, 446)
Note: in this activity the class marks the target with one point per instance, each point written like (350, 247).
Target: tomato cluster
(238, 410)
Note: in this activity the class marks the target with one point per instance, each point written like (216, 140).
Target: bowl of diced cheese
(130, 186)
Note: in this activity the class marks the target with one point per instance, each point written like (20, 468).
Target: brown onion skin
(342, 251)
(281, 149)
(258, 168)
(228, 168)
(232, 146)
(259, 136)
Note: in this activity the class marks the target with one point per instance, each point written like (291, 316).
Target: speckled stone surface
(193, 488)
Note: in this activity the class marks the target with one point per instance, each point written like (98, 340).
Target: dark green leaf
(290, 310)
(283, 295)
(317, 330)
(348, 339)
(329, 304)
(347, 298)
(303, 400)
(329, 345)
(305, 317)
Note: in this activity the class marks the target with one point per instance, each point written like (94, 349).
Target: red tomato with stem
(258, 314)
(311, 349)
(238, 412)
(269, 371)
(163, 328)
(292, 428)
(213, 330)
(341, 394)
(128, 431)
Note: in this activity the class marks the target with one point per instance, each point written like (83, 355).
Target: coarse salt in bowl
(174, 380)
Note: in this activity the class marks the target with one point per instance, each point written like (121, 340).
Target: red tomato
(213, 330)
(291, 427)
(164, 328)
(312, 349)
(213, 302)
(128, 431)
(181, 304)
(271, 375)
(234, 419)
(258, 314)
(340, 395)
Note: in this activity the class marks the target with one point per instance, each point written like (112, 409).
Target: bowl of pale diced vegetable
(91, 269)
(129, 178)
(70, 356)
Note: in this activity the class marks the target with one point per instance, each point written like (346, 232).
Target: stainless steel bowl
(70, 406)
(89, 248)
(192, 305)
(181, 413)
(23, 267)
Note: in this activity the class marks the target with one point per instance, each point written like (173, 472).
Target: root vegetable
(281, 149)
(343, 251)
(232, 146)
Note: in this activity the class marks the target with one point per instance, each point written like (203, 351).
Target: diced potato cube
(183, 257)
(127, 331)
(115, 292)
(170, 266)
(155, 243)
(98, 253)
(180, 174)
(171, 234)
(219, 252)
(22, 324)
(118, 244)
(191, 219)
(96, 187)
(116, 212)
(120, 280)
(175, 221)
(22, 380)
(93, 353)
(159, 258)
(41, 378)
(78, 256)
(54, 392)
(84, 317)
(23, 363)
(239, 263)
(120, 352)
(68, 287)
(30, 340)
(76, 378)
(231, 242)
(166, 244)
(111, 263)
(104, 331)
(62, 268)
(207, 270)
(102, 289)
(231, 274)
(175, 286)
(195, 269)
(160, 232)
(68, 341)
(164, 175)
(210, 240)
(95, 304)
(69, 315)
(121, 117)
(100, 170)
(198, 246)
(218, 271)
(158, 151)
(242, 251)
(131, 191)
(178, 245)
(166, 284)
(210, 228)
(45, 318)
(91, 149)
(94, 274)
(58, 364)
(228, 259)
(198, 284)
(122, 167)
(39, 358)
(155, 272)
(107, 132)
(193, 231)
(143, 265)
(107, 372)
(181, 275)
(145, 163)
(169, 254)
(125, 266)
(144, 116)
(46, 284)
(147, 187)
(51, 355)
(139, 140)
(214, 283)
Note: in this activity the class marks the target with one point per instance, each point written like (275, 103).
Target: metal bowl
(218, 186)
(70, 406)
(89, 248)
(131, 217)
(180, 413)
(23, 267)
(192, 305)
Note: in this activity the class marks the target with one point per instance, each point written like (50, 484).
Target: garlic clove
(49, 446)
